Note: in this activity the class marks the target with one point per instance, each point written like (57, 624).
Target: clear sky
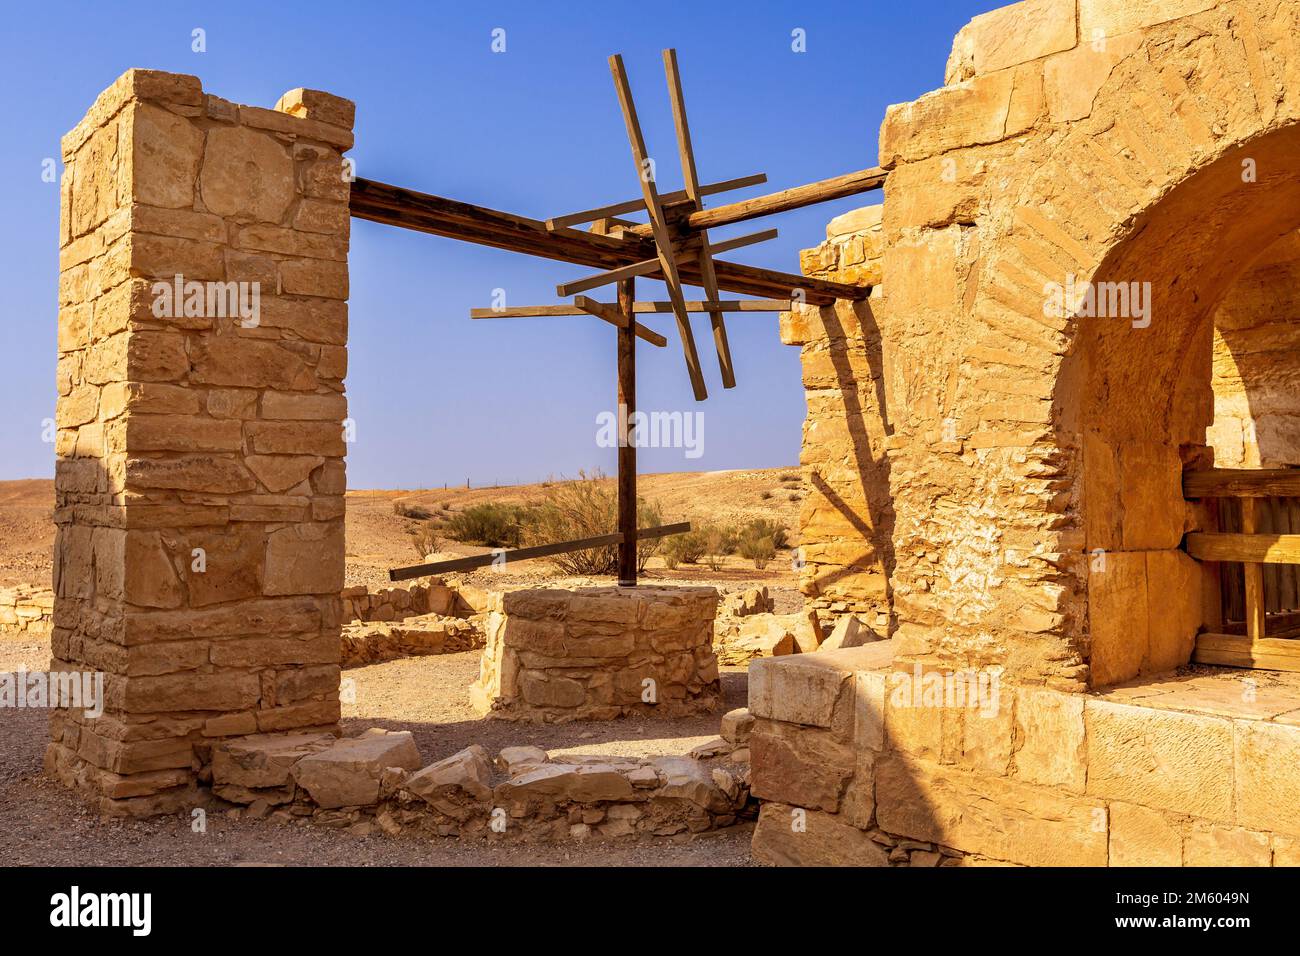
(535, 130)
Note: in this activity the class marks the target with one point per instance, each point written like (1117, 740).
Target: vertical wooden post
(1255, 606)
(626, 449)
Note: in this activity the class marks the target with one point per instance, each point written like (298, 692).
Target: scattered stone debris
(372, 643)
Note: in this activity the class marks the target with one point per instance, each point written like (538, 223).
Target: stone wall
(399, 603)
(598, 653)
(856, 765)
(1002, 479)
(199, 475)
(26, 611)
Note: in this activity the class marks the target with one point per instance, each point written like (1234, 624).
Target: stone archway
(1101, 144)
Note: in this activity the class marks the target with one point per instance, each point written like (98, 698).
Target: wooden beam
(640, 308)
(439, 216)
(638, 205)
(1256, 609)
(502, 556)
(691, 178)
(625, 395)
(649, 266)
(616, 318)
(1235, 650)
(663, 241)
(1242, 483)
(1245, 548)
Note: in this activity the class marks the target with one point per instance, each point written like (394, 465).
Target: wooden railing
(1257, 514)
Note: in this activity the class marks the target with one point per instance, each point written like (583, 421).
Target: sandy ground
(45, 825)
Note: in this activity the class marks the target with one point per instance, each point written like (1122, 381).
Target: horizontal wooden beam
(1235, 650)
(838, 187)
(546, 311)
(1242, 483)
(638, 205)
(439, 216)
(502, 556)
(612, 315)
(1245, 548)
(641, 308)
(651, 265)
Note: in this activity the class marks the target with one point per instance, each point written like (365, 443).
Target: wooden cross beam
(651, 265)
(638, 205)
(439, 216)
(639, 308)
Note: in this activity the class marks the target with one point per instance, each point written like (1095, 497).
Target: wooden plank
(659, 226)
(527, 554)
(641, 308)
(1231, 650)
(837, 187)
(614, 317)
(705, 255)
(626, 397)
(1256, 614)
(649, 266)
(439, 216)
(1249, 548)
(1242, 483)
(638, 205)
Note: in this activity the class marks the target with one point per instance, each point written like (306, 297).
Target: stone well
(598, 653)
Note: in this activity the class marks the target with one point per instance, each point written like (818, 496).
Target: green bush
(759, 550)
(685, 548)
(491, 524)
(585, 508)
(424, 538)
(765, 528)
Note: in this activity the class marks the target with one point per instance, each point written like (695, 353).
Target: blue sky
(534, 130)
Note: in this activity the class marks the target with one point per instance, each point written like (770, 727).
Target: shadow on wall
(867, 469)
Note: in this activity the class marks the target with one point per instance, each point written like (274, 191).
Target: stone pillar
(200, 477)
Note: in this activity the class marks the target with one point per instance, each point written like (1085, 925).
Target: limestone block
(305, 559)
(1209, 845)
(347, 773)
(246, 173)
(1111, 18)
(468, 771)
(1173, 609)
(812, 689)
(1002, 819)
(1072, 79)
(1118, 616)
(262, 760)
(737, 725)
(1266, 775)
(793, 836)
(797, 765)
(1049, 739)
(1160, 759)
(1140, 836)
(1010, 35)
(164, 151)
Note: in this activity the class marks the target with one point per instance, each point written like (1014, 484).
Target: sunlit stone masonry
(200, 442)
(598, 653)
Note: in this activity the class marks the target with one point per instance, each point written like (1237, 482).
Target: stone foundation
(598, 653)
(398, 603)
(26, 611)
(375, 781)
(200, 441)
(852, 766)
(375, 642)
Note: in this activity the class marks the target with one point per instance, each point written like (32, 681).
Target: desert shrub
(685, 548)
(715, 547)
(585, 508)
(759, 550)
(409, 509)
(764, 495)
(790, 476)
(766, 528)
(425, 538)
(492, 524)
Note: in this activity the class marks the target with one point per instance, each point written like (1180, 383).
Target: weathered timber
(615, 317)
(640, 308)
(502, 556)
(1242, 483)
(638, 205)
(1248, 548)
(439, 216)
(649, 266)
(1235, 650)
(625, 395)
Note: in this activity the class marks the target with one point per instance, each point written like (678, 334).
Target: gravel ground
(45, 825)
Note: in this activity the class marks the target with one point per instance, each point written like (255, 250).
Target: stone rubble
(373, 643)
(26, 611)
(377, 780)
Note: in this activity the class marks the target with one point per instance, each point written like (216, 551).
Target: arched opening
(1139, 391)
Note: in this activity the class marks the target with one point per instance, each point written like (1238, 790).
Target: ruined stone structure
(996, 442)
(26, 611)
(598, 653)
(1084, 260)
(200, 479)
